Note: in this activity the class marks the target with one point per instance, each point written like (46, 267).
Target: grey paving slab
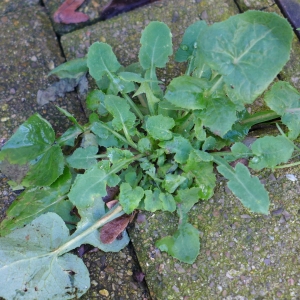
(7, 6)
(254, 4)
(28, 51)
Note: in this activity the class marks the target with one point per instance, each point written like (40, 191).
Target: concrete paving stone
(28, 51)
(254, 4)
(7, 6)
(92, 8)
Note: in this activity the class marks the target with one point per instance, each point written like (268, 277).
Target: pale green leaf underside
(246, 187)
(248, 62)
(89, 216)
(29, 263)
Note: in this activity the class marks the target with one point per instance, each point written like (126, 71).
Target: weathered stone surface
(28, 51)
(254, 4)
(9, 6)
(243, 255)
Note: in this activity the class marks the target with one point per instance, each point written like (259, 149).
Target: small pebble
(104, 293)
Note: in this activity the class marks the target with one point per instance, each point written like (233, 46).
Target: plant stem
(282, 133)
(214, 87)
(114, 213)
(260, 117)
(133, 106)
(119, 136)
(288, 165)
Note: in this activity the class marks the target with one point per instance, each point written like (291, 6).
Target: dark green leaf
(203, 173)
(36, 201)
(172, 182)
(68, 138)
(89, 186)
(187, 199)
(95, 101)
(152, 201)
(120, 109)
(168, 202)
(31, 139)
(116, 155)
(242, 50)
(156, 47)
(41, 172)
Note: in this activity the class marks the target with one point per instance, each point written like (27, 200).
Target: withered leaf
(66, 13)
(110, 231)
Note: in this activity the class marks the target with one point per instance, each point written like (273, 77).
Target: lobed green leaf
(270, 151)
(247, 188)
(248, 62)
(159, 127)
(285, 101)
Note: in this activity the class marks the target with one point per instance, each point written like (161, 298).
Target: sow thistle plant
(156, 146)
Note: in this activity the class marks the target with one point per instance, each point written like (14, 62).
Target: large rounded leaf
(249, 50)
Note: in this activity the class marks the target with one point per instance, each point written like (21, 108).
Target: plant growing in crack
(158, 147)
